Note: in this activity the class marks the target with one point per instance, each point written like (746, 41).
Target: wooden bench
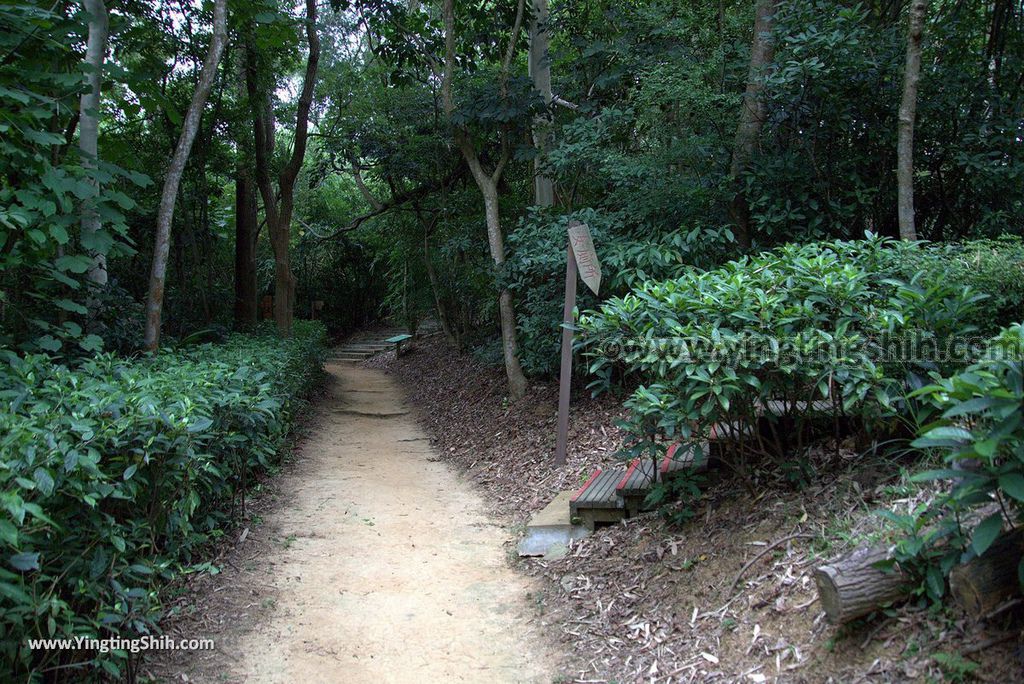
(398, 340)
(597, 501)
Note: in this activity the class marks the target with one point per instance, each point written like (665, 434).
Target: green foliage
(809, 331)
(955, 667)
(993, 267)
(980, 436)
(919, 551)
(676, 498)
(536, 270)
(656, 86)
(115, 473)
(536, 276)
(833, 92)
(45, 182)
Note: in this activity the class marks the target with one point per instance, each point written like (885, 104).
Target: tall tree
(908, 112)
(753, 112)
(246, 311)
(279, 206)
(245, 314)
(165, 214)
(488, 184)
(88, 132)
(540, 72)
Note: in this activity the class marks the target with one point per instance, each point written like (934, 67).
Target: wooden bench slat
(599, 491)
(638, 478)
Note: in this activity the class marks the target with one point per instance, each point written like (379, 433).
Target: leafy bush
(814, 332)
(536, 272)
(992, 267)
(114, 472)
(980, 434)
(537, 269)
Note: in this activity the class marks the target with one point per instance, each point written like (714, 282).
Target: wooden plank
(586, 485)
(680, 457)
(778, 407)
(574, 501)
(638, 479)
(731, 430)
(633, 465)
(599, 491)
(606, 493)
(591, 495)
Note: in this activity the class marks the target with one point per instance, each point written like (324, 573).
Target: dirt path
(389, 570)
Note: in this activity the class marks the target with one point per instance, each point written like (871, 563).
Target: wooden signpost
(581, 259)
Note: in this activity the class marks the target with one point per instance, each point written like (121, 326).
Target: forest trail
(391, 571)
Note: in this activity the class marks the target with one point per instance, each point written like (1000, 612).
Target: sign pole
(565, 378)
(580, 260)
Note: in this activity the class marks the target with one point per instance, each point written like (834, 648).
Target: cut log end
(982, 584)
(851, 586)
(828, 593)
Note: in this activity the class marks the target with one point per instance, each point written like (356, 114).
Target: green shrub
(115, 472)
(819, 332)
(536, 271)
(994, 268)
(980, 435)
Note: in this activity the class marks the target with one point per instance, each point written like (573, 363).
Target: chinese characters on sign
(580, 255)
(586, 257)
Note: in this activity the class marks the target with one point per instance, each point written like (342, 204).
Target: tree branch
(413, 195)
(510, 52)
(291, 169)
(564, 103)
(358, 177)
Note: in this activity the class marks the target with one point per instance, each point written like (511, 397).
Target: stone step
(376, 336)
(550, 531)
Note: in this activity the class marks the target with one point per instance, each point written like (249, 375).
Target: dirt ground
(727, 596)
(375, 562)
(373, 558)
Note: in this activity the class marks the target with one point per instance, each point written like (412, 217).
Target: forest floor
(368, 560)
(715, 598)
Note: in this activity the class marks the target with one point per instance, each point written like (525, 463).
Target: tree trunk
(165, 213)
(279, 212)
(263, 150)
(488, 185)
(245, 252)
(435, 287)
(88, 136)
(851, 586)
(540, 71)
(908, 111)
(982, 584)
(506, 313)
(752, 117)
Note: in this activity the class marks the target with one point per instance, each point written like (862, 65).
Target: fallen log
(983, 583)
(851, 586)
